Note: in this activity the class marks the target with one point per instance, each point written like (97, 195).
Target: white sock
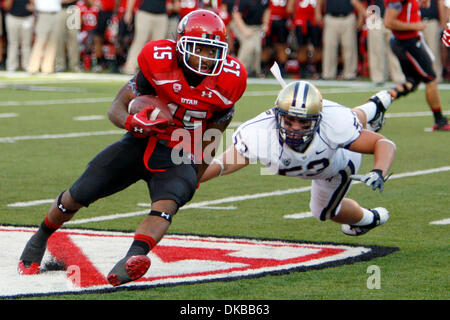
(370, 109)
(366, 219)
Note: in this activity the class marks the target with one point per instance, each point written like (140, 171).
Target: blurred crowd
(328, 39)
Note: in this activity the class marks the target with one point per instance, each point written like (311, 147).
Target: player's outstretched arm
(384, 152)
(228, 162)
(374, 143)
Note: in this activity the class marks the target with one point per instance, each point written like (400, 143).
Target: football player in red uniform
(307, 30)
(446, 33)
(277, 34)
(446, 36)
(200, 83)
(403, 18)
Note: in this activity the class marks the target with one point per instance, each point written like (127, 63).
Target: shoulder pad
(157, 57)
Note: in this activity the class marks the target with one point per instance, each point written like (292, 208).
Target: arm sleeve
(223, 116)
(143, 86)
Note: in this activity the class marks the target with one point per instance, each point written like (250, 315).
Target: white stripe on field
(301, 215)
(55, 101)
(61, 136)
(8, 115)
(441, 222)
(22, 77)
(88, 118)
(113, 132)
(110, 99)
(245, 197)
(30, 203)
(412, 114)
(147, 205)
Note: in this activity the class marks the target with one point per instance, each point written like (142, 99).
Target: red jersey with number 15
(191, 107)
(410, 13)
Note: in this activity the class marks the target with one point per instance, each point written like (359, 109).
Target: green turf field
(44, 149)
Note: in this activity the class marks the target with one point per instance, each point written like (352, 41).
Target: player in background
(200, 83)
(446, 33)
(307, 31)
(306, 137)
(89, 16)
(107, 10)
(403, 18)
(277, 34)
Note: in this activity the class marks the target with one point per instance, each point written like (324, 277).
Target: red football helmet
(200, 29)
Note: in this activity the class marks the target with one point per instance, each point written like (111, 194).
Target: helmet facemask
(202, 41)
(298, 114)
(297, 139)
(187, 47)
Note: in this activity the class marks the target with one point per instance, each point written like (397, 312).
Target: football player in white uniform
(306, 137)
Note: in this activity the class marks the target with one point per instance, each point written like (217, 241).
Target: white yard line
(61, 136)
(114, 132)
(210, 204)
(54, 101)
(301, 215)
(441, 222)
(8, 115)
(245, 197)
(29, 203)
(89, 118)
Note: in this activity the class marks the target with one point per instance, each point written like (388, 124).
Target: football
(161, 111)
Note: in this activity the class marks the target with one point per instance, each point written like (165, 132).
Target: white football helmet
(299, 101)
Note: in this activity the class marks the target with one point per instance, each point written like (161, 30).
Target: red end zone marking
(63, 249)
(173, 253)
(216, 257)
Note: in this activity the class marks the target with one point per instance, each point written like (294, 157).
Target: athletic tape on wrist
(220, 163)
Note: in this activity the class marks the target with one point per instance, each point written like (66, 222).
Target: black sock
(44, 232)
(137, 248)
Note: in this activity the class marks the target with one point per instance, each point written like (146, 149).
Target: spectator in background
(434, 18)
(173, 19)
(19, 22)
(251, 20)
(107, 9)
(307, 31)
(66, 33)
(382, 62)
(340, 27)
(151, 23)
(277, 34)
(44, 48)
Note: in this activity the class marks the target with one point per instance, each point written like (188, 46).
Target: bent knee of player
(167, 206)
(66, 204)
(319, 213)
(322, 213)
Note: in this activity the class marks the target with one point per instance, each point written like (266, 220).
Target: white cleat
(380, 216)
(383, 100)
